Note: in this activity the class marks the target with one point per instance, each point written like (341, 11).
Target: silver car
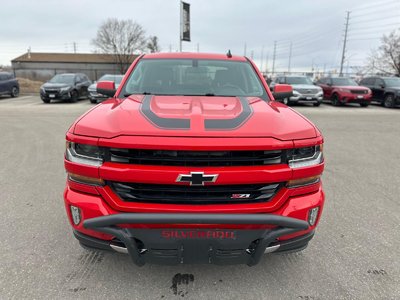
(304, 91)
(96, 97)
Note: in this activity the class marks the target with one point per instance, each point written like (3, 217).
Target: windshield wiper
(144, 93)
(206, 94)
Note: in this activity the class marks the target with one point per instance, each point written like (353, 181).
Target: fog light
(76, 214)
(312, 215)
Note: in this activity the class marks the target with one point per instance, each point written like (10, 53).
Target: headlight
(65, 89)
(84, 154)
(42, 89)
(295, 92)
(305, 157)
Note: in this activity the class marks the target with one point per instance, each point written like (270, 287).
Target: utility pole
(344, 43)
(170, 48)
(262, 59)
(273, 59)
(266, 62)
(290, 57)
(74, 47)
(251, 54)
(198, 47)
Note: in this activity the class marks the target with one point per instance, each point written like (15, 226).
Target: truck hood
(49, 85)
(194, 116)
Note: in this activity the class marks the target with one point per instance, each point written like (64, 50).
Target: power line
(375, 20)
(367, 28)
(369, 6)
(375, 12)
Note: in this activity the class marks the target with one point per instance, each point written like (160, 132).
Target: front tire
(286, 101)
(335, 100)
(364, 104)
(74, 96)
(317, 104)
(14, 92)
(94, 101)
(45, 100)
(388, 101)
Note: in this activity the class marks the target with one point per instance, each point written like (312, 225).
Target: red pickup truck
(192, 161)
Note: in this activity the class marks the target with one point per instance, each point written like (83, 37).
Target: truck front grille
(182, 194)
(195, 158)
(307, 91)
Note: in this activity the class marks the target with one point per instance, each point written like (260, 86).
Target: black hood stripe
(170, 123)
(184, 124)
(230, 124)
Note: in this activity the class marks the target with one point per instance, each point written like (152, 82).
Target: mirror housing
(106, 88)
(282, 91)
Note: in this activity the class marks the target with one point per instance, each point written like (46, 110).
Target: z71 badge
(240, 196)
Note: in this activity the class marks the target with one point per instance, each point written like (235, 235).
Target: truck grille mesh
(195, 158)
(182, 194)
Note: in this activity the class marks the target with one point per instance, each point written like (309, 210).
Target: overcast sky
(314, 27)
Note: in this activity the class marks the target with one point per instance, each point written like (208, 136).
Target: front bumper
(217, 246)
(305, 98)
(63, 95)
(94, 96)
(355, 98)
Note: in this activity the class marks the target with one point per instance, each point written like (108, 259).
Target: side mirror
(106, 88)
(382, 86)
(282, 91)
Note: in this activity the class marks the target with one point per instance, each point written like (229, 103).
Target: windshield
(298, 80)
(63, 78)
(116, 78)
(343, 81)
(392, 82)
(194, 77)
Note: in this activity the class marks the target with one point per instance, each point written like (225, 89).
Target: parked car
(8, 84)
(304, 90)
(157, 171)
(385, 90)
(342, 90)
(96, 97)
(67, 86)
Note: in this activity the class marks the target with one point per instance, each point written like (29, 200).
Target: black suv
(8, 84)
(68, 86)
(385, 90)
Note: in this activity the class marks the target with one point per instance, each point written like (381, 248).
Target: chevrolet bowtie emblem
(196, 178)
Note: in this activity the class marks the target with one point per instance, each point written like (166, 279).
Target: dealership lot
(353, 256)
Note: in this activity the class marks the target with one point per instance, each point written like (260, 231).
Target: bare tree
(152, 44)
(121, 38)
(387, 58)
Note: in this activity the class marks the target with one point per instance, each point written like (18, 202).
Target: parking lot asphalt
(354, 255)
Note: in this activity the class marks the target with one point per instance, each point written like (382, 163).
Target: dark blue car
(8, 84)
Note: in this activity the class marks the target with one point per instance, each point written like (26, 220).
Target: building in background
(43, 66)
